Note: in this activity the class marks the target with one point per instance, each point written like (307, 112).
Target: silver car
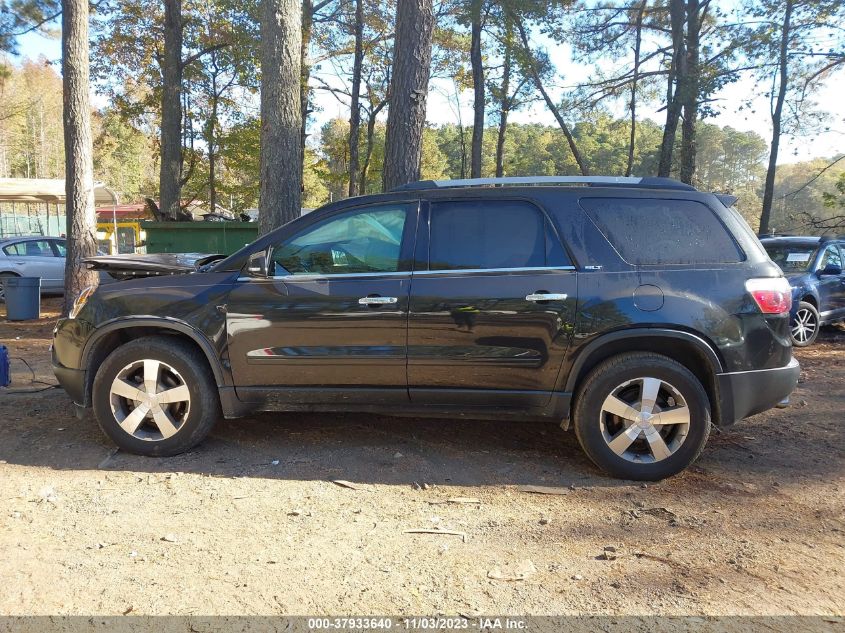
(36, 256)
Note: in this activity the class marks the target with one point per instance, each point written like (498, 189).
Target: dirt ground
(252, 523)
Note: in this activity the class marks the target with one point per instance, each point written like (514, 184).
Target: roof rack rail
(600, 181)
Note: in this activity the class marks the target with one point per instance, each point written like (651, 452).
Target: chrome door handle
(377, 301)
(546, 296)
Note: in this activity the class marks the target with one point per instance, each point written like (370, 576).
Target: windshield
(792, 258)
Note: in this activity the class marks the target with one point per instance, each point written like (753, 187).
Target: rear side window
(29, 248)
(488, 234)
(647, 231)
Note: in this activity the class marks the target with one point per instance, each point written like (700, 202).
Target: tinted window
(650, 231)
(830, 257)
(481, 234)
(30, 248)
(359, 241)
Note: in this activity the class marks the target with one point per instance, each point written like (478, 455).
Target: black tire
(196, 417)
(809, 317)
(2, 285)
(593, 424)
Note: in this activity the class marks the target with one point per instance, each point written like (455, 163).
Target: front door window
(360, 241)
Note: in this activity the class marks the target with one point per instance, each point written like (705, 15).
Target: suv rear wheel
(804, 327)
(154, 396)
(642, 416)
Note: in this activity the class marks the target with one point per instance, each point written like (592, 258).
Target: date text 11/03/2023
(422, 623)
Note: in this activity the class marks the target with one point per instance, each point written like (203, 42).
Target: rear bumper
(744, 393)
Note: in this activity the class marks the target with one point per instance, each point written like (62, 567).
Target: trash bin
(23, 298)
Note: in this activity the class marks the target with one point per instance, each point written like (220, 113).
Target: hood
(134, 266)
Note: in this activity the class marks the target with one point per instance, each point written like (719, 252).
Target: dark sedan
(813, 266)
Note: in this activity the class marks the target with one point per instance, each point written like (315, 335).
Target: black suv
(639, 311)
(813, 266)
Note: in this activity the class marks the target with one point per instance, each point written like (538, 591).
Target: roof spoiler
(726, 199)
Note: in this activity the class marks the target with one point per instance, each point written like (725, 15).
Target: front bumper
(66, 352)
(71, 380)
(744, 393)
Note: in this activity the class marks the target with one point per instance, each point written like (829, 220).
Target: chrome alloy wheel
(804, 325)
(150, 400)
(644, 420)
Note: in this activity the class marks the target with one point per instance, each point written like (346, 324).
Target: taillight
(772, 294)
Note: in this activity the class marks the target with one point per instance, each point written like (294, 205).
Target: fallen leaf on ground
(348, 484)
(661, 513)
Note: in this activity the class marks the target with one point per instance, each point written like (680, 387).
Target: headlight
(81, 300)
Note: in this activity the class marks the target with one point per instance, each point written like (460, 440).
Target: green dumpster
(198, 237)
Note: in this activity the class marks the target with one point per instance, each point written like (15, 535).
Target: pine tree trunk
(305, 73)
(535, 75)
(170, 184)
(629, 168)
(212, 163)
(280, 199)
(677, 74)
(777, 114)
(504, 110)
(355, 106)
(371, 129)
(408, 92)
(691, 96)
(79, 152)
(477, 64)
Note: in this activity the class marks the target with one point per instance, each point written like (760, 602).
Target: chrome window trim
(328, 276)
(459, 271)
(393, 275)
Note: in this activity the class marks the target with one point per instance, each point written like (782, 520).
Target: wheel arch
(690, 350)
(809, 297)
(110, 336)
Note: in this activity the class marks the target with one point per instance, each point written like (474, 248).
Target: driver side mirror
(256, 265)
(831, 269)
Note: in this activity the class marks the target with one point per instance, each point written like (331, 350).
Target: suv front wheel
(155, 396)
(642, 416)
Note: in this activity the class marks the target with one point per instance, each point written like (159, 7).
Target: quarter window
(60, 247)
(360, 241)
(481, 235)
(662, 231)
